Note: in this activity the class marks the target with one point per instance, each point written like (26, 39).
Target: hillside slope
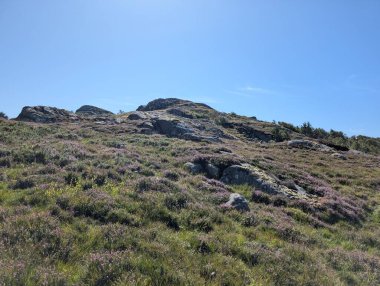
(177, 193)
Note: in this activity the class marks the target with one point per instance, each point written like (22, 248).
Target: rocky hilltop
(90, 110)
(177, 193)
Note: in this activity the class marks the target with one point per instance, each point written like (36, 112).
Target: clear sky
(283, 60)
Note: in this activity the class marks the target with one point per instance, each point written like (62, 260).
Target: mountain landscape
(177, 193)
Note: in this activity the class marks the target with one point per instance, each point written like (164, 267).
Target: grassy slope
(93, 206)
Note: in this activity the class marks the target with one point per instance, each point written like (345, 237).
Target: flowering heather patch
(103, 268)
(109, 202)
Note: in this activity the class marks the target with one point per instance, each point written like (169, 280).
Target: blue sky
(284, 60)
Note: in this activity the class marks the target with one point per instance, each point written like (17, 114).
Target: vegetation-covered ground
(86, 203)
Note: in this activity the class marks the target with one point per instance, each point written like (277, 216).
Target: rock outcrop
(307, 144)
(180, 113)
(164, 103)
(249, 132)
(180, 129)
(89, 110)
(45, 114)
(253, 176)
(160, 103)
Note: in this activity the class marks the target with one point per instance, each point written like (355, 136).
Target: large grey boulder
(89, 110)
(212, 171)
(237, 202)
(136, 116)
(45, 114)
(193, 168)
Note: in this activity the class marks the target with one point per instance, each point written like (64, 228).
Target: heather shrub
(260, 197)
(29, 156)
(250, 220)
(122, 216)
(38, 229)
(103, 268)
(5, 162)
(100, 180)
(113, 175)
(376, 215)
(93, 203)
(280, 134)
(71, 179)
(173, 176)
(156, 185)
(364, 265)
(37, 198)
(202, 244)
(176, 201)
(24, 184)
(109, 206)
(198, 220)
(157, 213)
(279, 201)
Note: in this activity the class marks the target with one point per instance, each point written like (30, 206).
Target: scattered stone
(339, 156)
(45, 114)
(237, 202)
(193, 168)
(89, 110)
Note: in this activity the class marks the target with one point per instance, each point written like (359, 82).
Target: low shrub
(104, 268)
(176, 201)
(71, 179)
(100, 180)
(260, 197)
(156, 185)
(173, 176)
(122, 216)
(24, 184)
